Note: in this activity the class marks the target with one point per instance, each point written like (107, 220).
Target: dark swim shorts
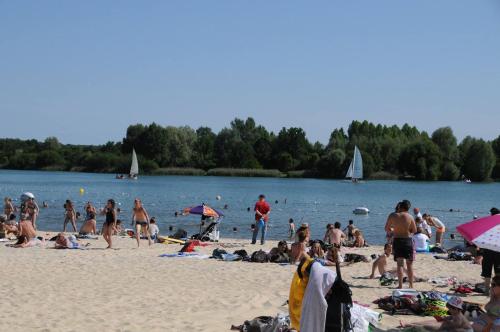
(403, 248)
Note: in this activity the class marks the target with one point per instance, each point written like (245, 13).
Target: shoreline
(203, 173)
(60, 289)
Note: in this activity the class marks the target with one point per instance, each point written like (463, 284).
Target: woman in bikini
(69, 215)
(110, 224)
(140, 218)
(33, 210)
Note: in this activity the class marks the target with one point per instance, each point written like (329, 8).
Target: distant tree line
(387, 151)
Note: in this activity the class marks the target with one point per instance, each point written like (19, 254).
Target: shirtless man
(334, 235)
(89, 226)
(298, 249)
(403, 227)
(140, 218)
(26, 228)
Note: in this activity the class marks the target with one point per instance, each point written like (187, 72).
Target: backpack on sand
(260, 257)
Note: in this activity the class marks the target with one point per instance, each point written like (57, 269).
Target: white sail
(355, 170)
(134, 168)
(349, 171)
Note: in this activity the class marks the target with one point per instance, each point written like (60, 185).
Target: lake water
(317, 202)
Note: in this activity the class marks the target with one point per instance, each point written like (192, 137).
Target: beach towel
(314, 305)
(185, 255)
(297, 290)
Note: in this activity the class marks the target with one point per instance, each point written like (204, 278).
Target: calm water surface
(317, 202)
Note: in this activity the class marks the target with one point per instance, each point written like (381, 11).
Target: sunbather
(70, 242)
(490, 320)
(455, 322)
(24, 242)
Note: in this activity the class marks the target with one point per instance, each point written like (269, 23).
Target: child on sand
(381, 262)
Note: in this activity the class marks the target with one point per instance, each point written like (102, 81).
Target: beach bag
(243, 254)
(438, 250)
(339, 300)
(267, 324)
(188, 247)
(260, 257)
(280, 258)
(355, 258)
(217, 253)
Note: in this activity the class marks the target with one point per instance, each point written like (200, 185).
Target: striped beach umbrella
(484, 232)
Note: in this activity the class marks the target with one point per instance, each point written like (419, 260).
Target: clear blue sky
(84, 70)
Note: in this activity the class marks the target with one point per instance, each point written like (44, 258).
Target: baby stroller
(210, 233)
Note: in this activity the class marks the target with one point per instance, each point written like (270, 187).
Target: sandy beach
(129, 289)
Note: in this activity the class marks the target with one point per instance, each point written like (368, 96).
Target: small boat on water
(134, 169)
(355, 170)
(361, 210)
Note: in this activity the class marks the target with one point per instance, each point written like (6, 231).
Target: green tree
(421, 159)
(479, 160)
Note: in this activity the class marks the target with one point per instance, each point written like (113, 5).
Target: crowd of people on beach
(406, 234)
(25, 228)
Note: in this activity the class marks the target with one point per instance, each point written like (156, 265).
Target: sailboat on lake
(355, 170)
(134, 168)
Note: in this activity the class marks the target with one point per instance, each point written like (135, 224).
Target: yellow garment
(297, 290)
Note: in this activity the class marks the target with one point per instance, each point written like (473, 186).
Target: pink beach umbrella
(484, 232)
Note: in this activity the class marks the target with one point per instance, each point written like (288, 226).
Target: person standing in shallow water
(110, 224)
(262, 210)
(403, 227)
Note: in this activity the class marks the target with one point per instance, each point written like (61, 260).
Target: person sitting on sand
(118, 229)
(485, 321)
(298, 249)
(9, 225)
(455, 322)
(24, 242)
(154, 231)
(26, 227)
(426, 229)
(68, 242)
(359, 240)
(89, 226)
(280, 254)
(334, 235)
(381, 262)
(316, 251)
(420, 241)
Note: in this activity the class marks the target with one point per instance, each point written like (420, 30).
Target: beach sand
(131, 289)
